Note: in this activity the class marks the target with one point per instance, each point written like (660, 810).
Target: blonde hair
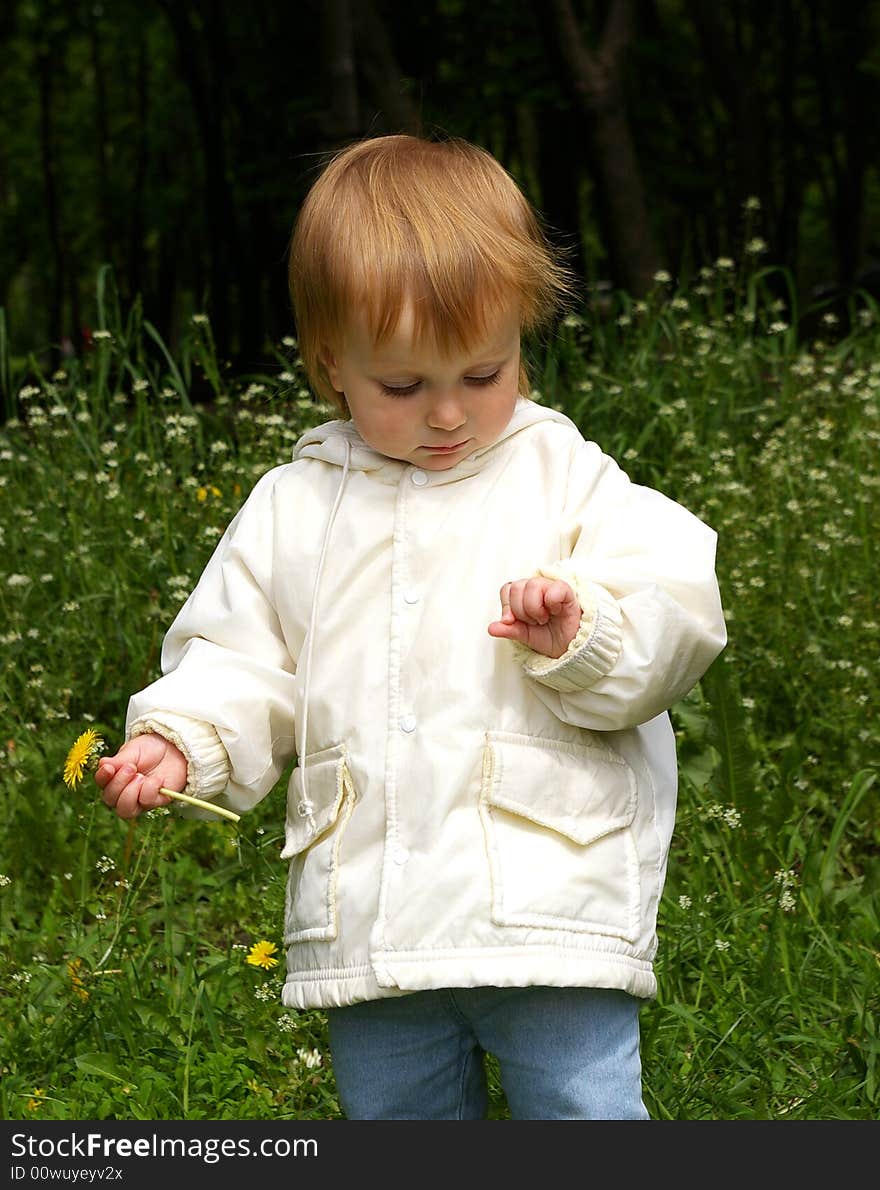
(394, 219)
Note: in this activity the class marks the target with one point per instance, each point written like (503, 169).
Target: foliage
(177, 138)
(126, 989)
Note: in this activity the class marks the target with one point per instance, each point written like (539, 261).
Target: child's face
(409, 403)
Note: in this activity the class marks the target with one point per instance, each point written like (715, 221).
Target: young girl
(479, 822)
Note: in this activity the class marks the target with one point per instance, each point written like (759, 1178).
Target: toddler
(467, 625)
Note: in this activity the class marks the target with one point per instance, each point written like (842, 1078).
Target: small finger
(105, 772)
(128, 803)
(118, 784)
(533, 601)
(507, 615)
(517, 606)
(557, 595)
(150, 797)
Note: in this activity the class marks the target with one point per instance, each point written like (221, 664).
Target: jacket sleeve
(643, 569)
(226, 695)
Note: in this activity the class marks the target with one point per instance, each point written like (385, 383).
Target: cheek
(378, 422)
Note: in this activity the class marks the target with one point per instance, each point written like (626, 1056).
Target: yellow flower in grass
(83, 757)
(260, 955)
(36, 1100)
(76, 981)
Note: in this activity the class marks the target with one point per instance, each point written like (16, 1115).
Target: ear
(331, 367)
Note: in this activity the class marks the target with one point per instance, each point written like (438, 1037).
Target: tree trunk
(730, 66)
(209, 105)
(595, 82)
(844, 102)
(136, 276)
(559, 168)
(341, 121)
(381, 71)
(45, 71)
(102, 146)
(793, 181)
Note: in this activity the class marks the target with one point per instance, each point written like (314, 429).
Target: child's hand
(542, 613)
(131, 779)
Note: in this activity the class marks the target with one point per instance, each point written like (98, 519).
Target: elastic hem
(395, 973)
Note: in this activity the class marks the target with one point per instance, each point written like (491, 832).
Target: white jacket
(467, 812)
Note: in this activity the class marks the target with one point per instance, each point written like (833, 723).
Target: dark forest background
(175, 139)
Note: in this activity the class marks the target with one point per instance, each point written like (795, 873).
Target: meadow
(139, 961)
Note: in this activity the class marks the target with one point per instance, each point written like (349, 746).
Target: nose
(447, 412)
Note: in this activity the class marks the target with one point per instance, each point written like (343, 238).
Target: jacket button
(401, 855)
(419, 478)
(411, 595)
(407, 722)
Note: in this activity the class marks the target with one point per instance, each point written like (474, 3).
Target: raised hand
(542, 613)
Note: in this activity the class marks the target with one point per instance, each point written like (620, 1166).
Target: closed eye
(409, 389)
(479, 381)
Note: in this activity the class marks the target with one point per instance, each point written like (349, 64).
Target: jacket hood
(329, 441)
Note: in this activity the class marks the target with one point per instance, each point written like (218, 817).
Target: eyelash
(476, 381)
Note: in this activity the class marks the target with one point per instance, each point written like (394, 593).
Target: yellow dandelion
(83, 757)
(260, 955)
(73, 970)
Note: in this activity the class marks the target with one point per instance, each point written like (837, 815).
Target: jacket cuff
(207, 764)
(594, 649)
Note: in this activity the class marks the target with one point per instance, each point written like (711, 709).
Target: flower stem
(197, 801)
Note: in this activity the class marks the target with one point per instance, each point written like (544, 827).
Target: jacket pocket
(557, 818)
(318, 810)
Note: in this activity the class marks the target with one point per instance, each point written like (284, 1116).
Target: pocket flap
(313, 804)
(582, 791)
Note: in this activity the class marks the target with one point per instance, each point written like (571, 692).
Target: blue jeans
(564, 1054)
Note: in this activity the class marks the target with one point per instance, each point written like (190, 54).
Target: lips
(448, 449)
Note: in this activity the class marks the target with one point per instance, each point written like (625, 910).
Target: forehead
(402, 346)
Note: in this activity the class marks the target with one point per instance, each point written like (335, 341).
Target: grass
(126, 991)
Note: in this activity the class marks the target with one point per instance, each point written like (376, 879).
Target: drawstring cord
(305, 807)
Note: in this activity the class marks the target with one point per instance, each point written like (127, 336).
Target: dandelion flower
(76, 980)
(83, 757)
(260, 955)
